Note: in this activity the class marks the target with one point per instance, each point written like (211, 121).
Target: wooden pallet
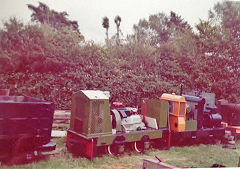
(61, 117)
(57, 133)
(61, 121)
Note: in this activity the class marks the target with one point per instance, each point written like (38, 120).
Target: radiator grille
(97, 117)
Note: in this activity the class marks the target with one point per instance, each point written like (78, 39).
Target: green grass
(197, 156)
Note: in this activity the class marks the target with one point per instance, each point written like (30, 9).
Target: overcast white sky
(89, 13)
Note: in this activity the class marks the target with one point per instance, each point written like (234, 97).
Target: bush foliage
(163, 52)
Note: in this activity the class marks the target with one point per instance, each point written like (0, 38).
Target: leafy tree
(44, 15)
(227, 15)
(159, 28)
(36, 48)
(218, 54)
(23, 45)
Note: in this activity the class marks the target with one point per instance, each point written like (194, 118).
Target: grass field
(189, 156)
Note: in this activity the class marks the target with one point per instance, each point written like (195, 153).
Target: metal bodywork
(157, 109)
(177, 111)
(202, 119)
(25, 125)
(231, 116)
(90, 114)
(195, 111)
(230, 112)
(94, 126)
(156, 164)
(164, 121)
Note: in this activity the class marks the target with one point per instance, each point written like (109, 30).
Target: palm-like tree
(105, 25)
(118, 20)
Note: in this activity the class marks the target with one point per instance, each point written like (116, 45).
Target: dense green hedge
(41, 61)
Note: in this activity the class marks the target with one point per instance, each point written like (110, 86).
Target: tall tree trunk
(107, 38)
(118, 39)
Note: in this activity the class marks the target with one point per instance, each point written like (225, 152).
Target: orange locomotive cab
(177, 111)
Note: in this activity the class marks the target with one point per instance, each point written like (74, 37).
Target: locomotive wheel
(140, 146)
(114, 149)
(111, 149)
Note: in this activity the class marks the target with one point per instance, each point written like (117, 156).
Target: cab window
(182, 109)
(171, 107)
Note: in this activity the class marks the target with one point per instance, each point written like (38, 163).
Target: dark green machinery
(94, 127)
(162, 122)
(90, 114)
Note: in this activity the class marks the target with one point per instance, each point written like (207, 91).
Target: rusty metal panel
(158, 109)
(90, 114)
(156, 164)
(79, 113)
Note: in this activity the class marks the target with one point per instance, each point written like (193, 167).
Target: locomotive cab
(177, 111)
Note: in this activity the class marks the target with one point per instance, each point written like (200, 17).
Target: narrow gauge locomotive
(162, 122)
